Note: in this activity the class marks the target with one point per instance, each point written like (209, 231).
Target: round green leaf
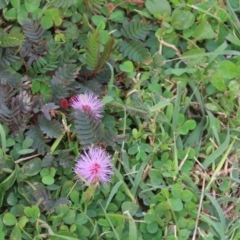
(10, 142)
(81, 218)
(186, 196)
(10, 14)
(158, 8)
(46, 22)
(130, 207)
(97, 19)
(191, 124)
(15, 3)
(228, 70)
(74, 196)
(32, 167)
(116, 16)
(203, 31)
(176, 204)
(182, 19)
(35, 86)
(127, 66)
(48, 180)
(69, 218)
(9, 219)
(103, 222)
(152, 227)
(44, 172)
(32, 5)
(12, 199)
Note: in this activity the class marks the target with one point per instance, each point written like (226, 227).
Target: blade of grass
(111, 224)
(217, 227)
(219, 210)
(196, 135)
(217, 153)
(127, 190)
(112, 193)
(132, 227)
(198, 96)
(219, 167)
(177, 106)
(3, 139)
(199, 210)
(138, 177)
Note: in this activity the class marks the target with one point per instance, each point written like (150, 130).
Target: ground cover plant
(119, 119)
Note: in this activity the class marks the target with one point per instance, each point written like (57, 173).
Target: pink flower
(88, 102)
(94, 166)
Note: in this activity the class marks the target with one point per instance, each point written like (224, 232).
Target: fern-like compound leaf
(62, 81)
(94, 6)
(136, 30)
(105, 54)
(39, 140)
(12, 39)
(135, 51)
(88, 129)
(34, 34)
(52, 129)
(63, 3)
(8, 77)
(92, 50)
(8, 56)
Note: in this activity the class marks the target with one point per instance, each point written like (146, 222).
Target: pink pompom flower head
(88, 102)
(95, 166)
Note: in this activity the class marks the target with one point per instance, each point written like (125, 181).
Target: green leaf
(46, 22)
(136, 30)
(160, 105)
(25, 151)
(218, 82)
(228, 70)
(112, 193)
(69, 218)
(126, 66)
(182, 19)
(92, 50)
(81, 219)
(16, 233)
(158, 8)
(97, 19)
(152, 227)
(27, 143)
(186, 196)
(32, 167)
(35, 86)
(15, 3)
(6, 184)
(116, 16)
(12, 199)
(55, 16)
(187, 126)
(48, 180)
(32, 5)
(130, 207)
(135, 50)
(10, 14)
(176, 204)
(203, 31)
(9, 219)
(3, 4)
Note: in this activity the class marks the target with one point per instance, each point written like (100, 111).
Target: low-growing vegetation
(119, 119)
